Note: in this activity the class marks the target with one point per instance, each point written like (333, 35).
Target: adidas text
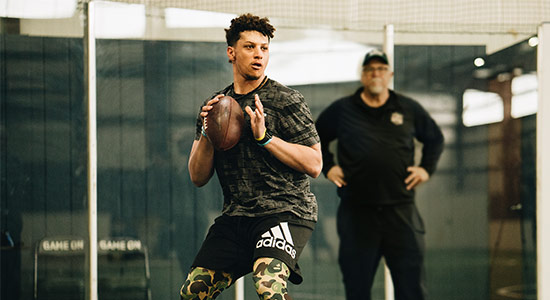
(278, 237)
(277, 243)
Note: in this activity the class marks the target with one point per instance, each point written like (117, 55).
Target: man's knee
(204, 284)
(270, 279)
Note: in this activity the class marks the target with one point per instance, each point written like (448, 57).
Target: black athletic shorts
(234, 243)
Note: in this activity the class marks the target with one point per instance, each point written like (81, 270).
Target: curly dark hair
(247, 22)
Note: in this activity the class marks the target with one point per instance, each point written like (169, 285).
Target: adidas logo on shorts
(278, 237)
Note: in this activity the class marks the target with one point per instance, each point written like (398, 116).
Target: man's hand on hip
(336, 175)
(417, 176)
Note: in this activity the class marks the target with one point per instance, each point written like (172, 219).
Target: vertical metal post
(388, 49)
(90, 78)
(543, 163)
(239, 289)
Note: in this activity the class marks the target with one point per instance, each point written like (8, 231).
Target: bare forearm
(301, 158)
(201, 162)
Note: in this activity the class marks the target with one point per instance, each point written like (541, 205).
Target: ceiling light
(190, 18)
(534, 41)
(479, 62)
(119, 20)
(33, 9)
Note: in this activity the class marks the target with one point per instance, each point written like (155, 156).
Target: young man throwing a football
(269, 211)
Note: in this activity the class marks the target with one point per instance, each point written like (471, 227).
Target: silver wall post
(543, 163)
(239, 289)
(389, 46)
(90, 85)
(388, 49)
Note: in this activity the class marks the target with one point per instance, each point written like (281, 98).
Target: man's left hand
(417, 176)
(257, 118)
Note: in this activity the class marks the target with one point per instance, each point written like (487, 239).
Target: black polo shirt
(376, 145)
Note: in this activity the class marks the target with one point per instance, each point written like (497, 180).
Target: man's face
(250, 55)
(376, 77)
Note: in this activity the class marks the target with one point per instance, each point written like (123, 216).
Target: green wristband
(267, 138)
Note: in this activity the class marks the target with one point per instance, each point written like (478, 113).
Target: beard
(376, 86)
(375, 89)
(248, 75)
(251, 77)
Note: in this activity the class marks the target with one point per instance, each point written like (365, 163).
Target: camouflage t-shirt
(254, 182)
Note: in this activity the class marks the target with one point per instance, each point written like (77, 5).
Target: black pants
(368, 233)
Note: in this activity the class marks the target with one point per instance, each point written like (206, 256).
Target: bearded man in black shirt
(269, 211)
(376, 178)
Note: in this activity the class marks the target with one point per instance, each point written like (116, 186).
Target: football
(224, 123)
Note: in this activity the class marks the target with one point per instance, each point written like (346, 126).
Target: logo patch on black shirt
(397, 118)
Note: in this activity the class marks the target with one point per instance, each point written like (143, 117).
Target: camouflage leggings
(270, 280)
